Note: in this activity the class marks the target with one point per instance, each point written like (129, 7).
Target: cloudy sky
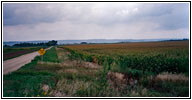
(65, 21)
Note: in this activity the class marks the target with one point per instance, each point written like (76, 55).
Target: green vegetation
(153, 57)
(31, 78)
(26, 82)
(51, 56)
(123, 70)
(138, 61)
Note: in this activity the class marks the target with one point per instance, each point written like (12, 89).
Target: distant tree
(83, 42)
(6, 45)
(50, 43)
(185, 39)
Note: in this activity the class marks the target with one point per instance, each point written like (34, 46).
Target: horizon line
(92, 39)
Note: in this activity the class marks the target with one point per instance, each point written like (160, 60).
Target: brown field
(9, 53)
(172, 48)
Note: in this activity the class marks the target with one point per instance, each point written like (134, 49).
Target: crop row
(147, 64)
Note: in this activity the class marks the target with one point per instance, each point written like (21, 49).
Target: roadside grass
(30, 79)
(51, 56)
(22, 84)
(28, 82)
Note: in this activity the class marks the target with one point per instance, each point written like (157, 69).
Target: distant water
(60, 42)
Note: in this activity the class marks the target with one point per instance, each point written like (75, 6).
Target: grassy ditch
(27, 81)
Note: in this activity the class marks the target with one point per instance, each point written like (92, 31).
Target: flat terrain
(151, 69)
(13, 52)
(153, 57)
(171, 48)
(15, 63)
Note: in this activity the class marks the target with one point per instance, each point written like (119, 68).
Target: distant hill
(59, 42)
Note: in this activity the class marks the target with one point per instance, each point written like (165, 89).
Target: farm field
(153, 57)
(151, 69)
(9, 53)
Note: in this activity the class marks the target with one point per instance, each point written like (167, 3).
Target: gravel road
(15, 63)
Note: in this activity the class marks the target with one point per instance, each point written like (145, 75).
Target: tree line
(25, 44)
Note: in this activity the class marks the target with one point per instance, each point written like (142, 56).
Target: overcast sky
(65, 21)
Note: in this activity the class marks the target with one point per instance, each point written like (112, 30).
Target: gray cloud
(37, 21)
(16, 14)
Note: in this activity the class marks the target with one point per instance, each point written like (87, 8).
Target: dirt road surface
(15, 63)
